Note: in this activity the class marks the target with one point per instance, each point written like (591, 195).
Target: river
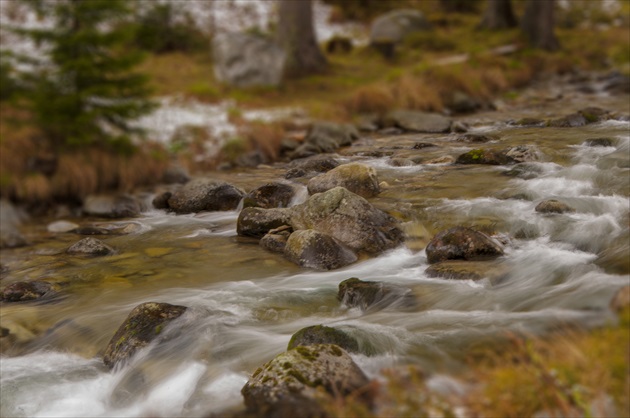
(245, 303)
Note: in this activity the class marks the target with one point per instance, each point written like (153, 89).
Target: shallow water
(245, 303)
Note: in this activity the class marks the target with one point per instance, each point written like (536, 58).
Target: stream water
(245, 302)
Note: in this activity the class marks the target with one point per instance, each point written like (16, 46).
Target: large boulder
(289, 385)
(321, 334)
(112, 206)
(393, 27)
(247, 60)
(145, 323)
(461, 243)
(416, 121)
(271, 195)
(313, 249)
(90, 247)
(205, 194)
(358, 178)
(348, 218)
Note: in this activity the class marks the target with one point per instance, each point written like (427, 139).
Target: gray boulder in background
(247, 60)
(390, 29)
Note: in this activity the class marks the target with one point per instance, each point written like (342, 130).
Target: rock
(247, 60)
(461, 102)
(205, 194)
(339, 133)
(91, 230)
(257, 222)
(416, 121)
(459, 126)
(319, 164)
(553, 206)
(423, 145)
(529, 122)
(271, 195)
(446, 159)
(305, 150)
(599, 142)
(316, 250)
(160, 201)
(24, 291)
(476, 138)
(594, 114)
(525, 171)
(61, 226)
(91, 247)
(392, 28)
(348, 218)
(112, 206)
(573, 120)
(466, 270)
(521, 154)
(288, 385)
(339, 45)
(276, 239)
(356, 293)
(358, 178)
(401, 162)
(175, 175)
(484, 156)
(321, 334)
(10, 235)
(617, 83)
(145, 323)
(461, 243)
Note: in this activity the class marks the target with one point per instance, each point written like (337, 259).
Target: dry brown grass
(265, 137)
(412, 92)
(32, 173)
(375, 98)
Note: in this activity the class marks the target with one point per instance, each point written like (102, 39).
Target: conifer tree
(84, 91)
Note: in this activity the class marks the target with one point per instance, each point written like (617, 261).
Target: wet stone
(90, 247)
(321, 334)
(145, 323)
(461, 243)
(599, 142)
(25, 291)
(356, 293)
(271, 195)
(61, 226)
(553, 206)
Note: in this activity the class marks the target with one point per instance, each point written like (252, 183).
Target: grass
(574, 373)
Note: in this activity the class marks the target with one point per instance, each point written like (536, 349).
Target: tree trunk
(538, 23)
(296, 34)
(459, 6)
(498, 15)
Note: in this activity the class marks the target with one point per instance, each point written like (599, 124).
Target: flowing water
(245, 303)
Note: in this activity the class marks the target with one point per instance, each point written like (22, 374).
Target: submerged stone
(356, 293)
(90, 247)
(25, 291)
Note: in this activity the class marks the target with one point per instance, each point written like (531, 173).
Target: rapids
(245, 303)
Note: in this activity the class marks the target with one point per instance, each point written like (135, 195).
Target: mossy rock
(321, 334)
(484, 156)
(291, 384)
(358, 178)
(145, 323)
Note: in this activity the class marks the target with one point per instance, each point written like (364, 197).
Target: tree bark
(538, 24)
(498, 15)
(459, 6)
(296, 34)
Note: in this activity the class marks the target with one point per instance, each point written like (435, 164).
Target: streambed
(245, 302)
